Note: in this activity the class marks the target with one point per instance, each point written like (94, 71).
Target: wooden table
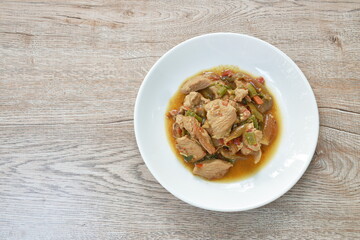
(69, 74)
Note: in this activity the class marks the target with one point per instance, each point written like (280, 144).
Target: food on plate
(221, 121)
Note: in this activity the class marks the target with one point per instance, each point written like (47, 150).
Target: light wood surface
(69, 74)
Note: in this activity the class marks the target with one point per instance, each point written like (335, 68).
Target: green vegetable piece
(238, 131)
(222, 85)
(228, 87)
(188, 158)
(262, 95)
(222, 90)
(256, 112)
(192, 114)
(208, 157)
(252, 90)
(250, 138)
(254, 121)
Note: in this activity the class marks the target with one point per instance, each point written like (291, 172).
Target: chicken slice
(221, 116)
(212, 169)
(196, 83)
(240, 94)
(194, 99)
(187, 122)
(196, 131)
(205, 140)
(190, 148)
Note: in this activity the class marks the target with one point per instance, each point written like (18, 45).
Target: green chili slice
(252, 90)
(256, 112)
(192, 114)
(188, 158)
(250, 138)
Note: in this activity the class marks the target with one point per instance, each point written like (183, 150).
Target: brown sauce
(242, 168)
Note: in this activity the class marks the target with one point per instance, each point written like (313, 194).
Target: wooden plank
(70, 177)
(69, 76)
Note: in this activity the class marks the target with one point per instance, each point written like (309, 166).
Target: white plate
(300, 120)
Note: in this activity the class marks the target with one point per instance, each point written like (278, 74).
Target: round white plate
(300, 120)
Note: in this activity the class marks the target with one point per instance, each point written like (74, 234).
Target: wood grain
(69, 75)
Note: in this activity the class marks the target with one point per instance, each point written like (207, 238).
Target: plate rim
(153, 172)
